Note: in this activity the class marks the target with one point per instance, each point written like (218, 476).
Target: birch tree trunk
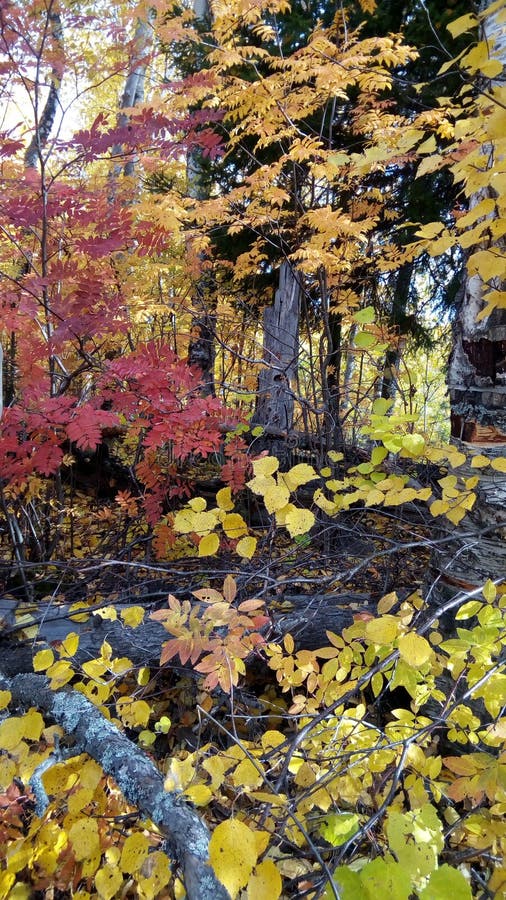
(476, 549)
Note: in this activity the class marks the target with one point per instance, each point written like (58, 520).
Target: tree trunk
(275, 402)
(476, 549)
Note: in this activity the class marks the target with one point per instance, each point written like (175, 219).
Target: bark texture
(275, 403)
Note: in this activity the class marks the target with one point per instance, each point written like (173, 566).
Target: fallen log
(136, 775)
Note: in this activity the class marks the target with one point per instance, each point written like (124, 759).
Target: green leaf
(446, 883)
(365, 316)
(337, 828)
(364, 340)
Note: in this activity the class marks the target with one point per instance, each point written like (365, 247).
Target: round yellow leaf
(133, 616)
(267, 465)
(276, 497)
(5, 699)
(246, 547)
(383, 630)
(133, 712)
(199, 794)
(12, 731)
(499, 464)
(224, 499)
(265, 883)
(299, 521)
(209, 545)
(414, 649)
(42, 660)
(234, 525)
(233, 853)
(84, 838)
(108, 882)
(135, 851)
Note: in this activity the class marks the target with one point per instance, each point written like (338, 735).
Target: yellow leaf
(479, 461)
(224, 499)
(234, 525)
(84, 838)
(5, 699)
(299, 521)
(456, 514)
(42, 660)
(69, 646)
(7, 772)
(299, 475)
(438, 507)
(133, 712)
(12, 731)
(261, 484)
(246, 547)
(489, 591)
(209, 545)
(462, 24)
(335, 456)
(33, 725)
(107, 612)
(108, 882)
(199, 794)
(414, 444)
(233, 854)
(60, 673)
(265, 466)
(133, 616)
(134, 852)
(265, 883)
(386, 602)
(499, 464)
(247, 775)
(383, 630)
(198, 504)
(414, 649)
(276, 497)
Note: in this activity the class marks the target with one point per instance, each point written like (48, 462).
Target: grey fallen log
(135, 774)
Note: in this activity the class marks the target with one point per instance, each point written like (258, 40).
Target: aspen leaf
(499, 464)
(335, 456)
(299, 475)
(163, 725)
(365, 316)
(414, 649)
(456, 514)
(5, 699)
(42, 660)
(133, 712)
(462, 24)
(265, 883)
(108, 881)
(299, 521)
(199, 794)
(198, 504)
(468, 610)
(414, 444)
(364, 339)
(337, 828)
(246, 547)
(383, 630)
(381, 406)
(234, 525)
(374, 497)
(33, 725)
(132, 616)
(378, 455)
(446, 883)
(261, 484)
(276, 497)
(438, 507)
(209, 545)
(233, 854)
(489, 591)
(134, 852)
(84, 838)
(224, 499)
(146, 738)
(69, 646)
(479, 461)
(265, 466)
(12, 732)
(386, 602)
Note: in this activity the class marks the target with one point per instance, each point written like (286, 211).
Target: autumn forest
(252, 449)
